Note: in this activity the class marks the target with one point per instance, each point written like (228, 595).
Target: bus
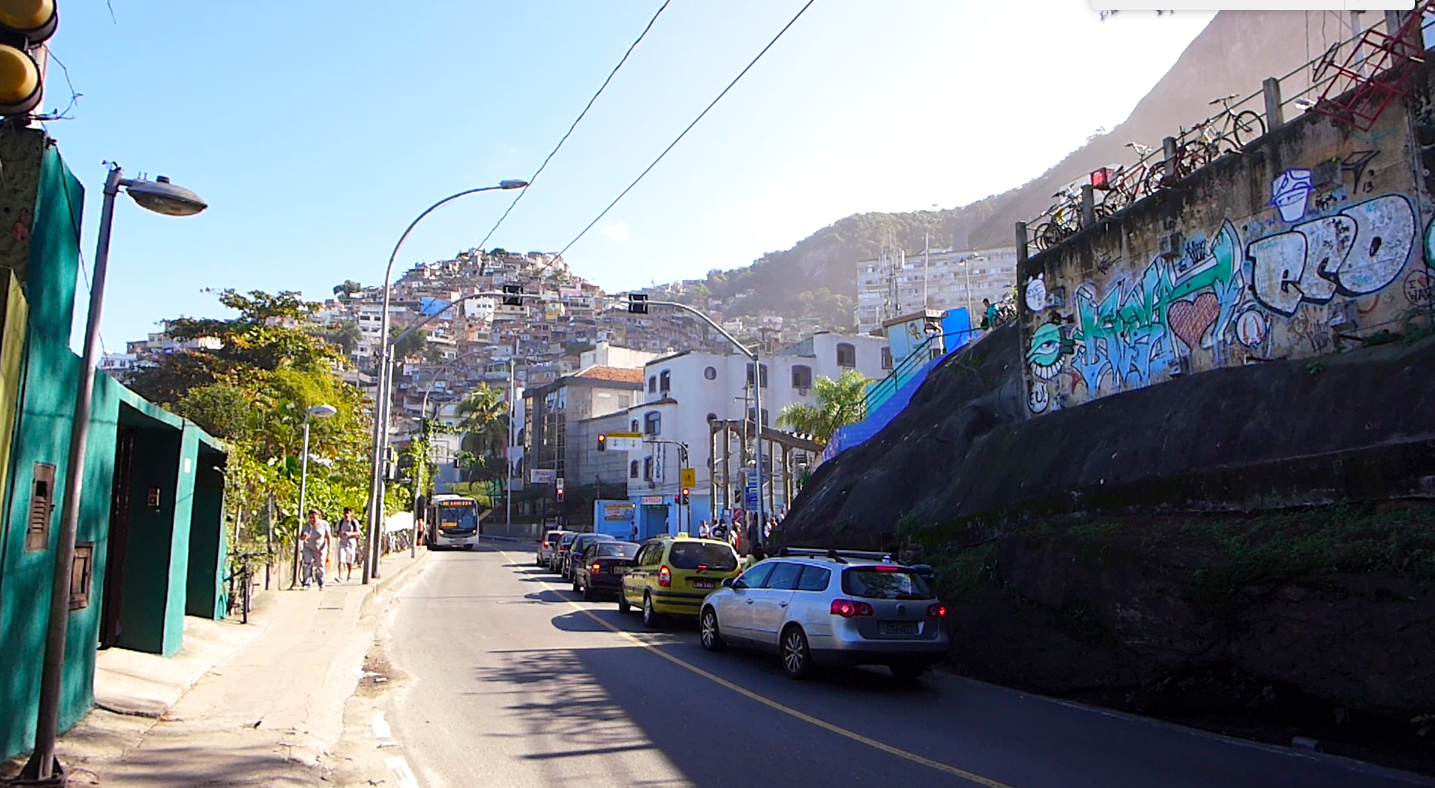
(452, 521)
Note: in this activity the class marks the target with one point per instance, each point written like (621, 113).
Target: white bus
(452, 522)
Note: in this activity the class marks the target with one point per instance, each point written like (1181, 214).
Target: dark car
(600, 568)
(555, 559)
(576, 549)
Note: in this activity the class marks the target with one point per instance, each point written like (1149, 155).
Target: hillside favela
(816, 392)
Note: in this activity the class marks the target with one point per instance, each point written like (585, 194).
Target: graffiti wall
(1316, 241)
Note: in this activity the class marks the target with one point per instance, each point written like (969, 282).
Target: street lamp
(159, 196)
(376, 481)
(318, 412)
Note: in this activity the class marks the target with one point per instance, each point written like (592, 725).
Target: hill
(1234, 54)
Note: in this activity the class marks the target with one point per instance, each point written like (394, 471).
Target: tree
(483, 418)
(345, 334)
(348, 288)
(411, 345)
(839, 402)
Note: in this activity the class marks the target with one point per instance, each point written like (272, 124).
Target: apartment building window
(763, 375)
(633, 469)
(652, 423)
(634, 426)
(647, 469)
(846, 354)
(653, 385)
(801, 376)
(665, 381)
(750, 414)
(710, 373)
(886, 357)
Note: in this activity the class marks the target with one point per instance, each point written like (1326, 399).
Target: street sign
(558, 482)
(688, 477)
(652, 500)
(539, 476)
(750, 499)
(624, 442)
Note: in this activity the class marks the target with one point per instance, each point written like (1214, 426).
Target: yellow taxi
(671, 575)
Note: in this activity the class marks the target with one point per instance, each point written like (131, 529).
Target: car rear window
(553, 536)
(885, 583)
(691, 555)
(616, 549)
(568, 538)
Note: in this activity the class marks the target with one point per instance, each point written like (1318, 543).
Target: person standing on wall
(316, 539)
(989, 314)
(349, 530)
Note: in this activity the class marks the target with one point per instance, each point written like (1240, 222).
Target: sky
(318, 130)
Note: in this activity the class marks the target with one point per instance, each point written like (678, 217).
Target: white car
(826, 607)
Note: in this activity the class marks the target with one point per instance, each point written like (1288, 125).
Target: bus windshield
(462, 515)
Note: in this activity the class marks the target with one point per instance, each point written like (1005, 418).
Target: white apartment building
(685, 391)
(944, 278)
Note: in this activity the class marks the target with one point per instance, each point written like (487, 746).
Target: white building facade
(942, 279)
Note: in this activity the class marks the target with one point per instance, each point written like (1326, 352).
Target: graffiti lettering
(1417, 288)
(1357, 251)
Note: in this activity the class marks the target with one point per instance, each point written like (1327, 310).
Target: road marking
(381, 727)
(403, 775)
(788, 710)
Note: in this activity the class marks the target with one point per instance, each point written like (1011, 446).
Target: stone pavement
(239, 705)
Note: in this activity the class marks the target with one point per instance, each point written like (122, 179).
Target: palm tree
(483, 418)
(839, 402)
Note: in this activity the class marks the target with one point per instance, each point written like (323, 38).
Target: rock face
(1084, 613)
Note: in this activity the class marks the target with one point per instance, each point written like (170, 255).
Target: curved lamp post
(162, 197)
(318, 412)
(376, 460)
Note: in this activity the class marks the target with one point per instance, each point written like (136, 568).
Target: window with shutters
(801, 376)
(80, 575)
(846, 354)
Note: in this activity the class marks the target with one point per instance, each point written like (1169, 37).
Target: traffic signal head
(602, 442)
(683, 497)
(638, 303)
(559, 494)
(24, 26)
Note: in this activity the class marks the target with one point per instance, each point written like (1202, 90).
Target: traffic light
(513, 295)
(602, 442)
(559, 494)
(638, 303)
(24, 26)
(683, 497)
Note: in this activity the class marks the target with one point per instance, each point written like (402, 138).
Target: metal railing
(920, 356)
(1208, 140)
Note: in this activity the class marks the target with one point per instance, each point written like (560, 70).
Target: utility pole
(512, 434)
(926, 267)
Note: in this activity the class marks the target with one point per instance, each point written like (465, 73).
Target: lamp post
(320, 412)
(376, 482)
(752, 356)
(162, 197)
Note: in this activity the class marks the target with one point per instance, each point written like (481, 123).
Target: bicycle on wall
(1065, 216)
(1227, 132)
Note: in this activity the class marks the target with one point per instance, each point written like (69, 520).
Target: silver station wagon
(816, 607)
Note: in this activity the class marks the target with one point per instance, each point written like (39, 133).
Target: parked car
(545, 547)
(817, 607)
(601, 567)
(671, 576)
(576, 550)
(555, 561)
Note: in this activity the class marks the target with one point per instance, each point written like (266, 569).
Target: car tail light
(886, 569)
(936, 611)
(847, 608)
(702, 567)
(597, 569)
(545, 545)
(665, 577)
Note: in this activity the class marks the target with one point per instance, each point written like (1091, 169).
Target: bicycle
(245, 576)
(1128, 184)
(1238, 129)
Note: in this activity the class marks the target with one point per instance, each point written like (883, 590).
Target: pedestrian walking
(703, 531)
(633, 533)
(719, 530)
(316, 539)
(348, 546)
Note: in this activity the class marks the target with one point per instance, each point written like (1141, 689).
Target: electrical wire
(576, 121)
(685, 131)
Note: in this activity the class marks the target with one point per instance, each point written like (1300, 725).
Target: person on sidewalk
(703, 531)
(316, 540)
(348, 546)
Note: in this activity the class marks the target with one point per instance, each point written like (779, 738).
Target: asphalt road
(517, 683)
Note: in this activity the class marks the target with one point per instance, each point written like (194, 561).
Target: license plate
(704, 584)
(899, 627)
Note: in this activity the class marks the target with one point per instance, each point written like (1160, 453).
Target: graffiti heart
(1357, 251)
(1190, 319)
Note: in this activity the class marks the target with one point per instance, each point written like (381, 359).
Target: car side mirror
(733, 582)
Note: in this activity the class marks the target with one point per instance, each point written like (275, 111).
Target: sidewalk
(256, 704)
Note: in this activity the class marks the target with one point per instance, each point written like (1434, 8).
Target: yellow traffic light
(24, 26)
(34, 19)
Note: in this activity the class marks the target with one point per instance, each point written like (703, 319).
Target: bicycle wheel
(1038, 235)
(1155, 179)
(1052, 233)
(1245, 127)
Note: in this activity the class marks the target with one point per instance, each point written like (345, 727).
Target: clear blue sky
(317, 130)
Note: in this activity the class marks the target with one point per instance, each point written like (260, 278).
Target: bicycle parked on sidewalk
(242, 573)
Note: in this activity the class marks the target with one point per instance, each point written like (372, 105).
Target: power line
(524, 190)
(685, 131)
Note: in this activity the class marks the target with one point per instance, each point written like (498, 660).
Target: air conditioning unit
(802, 391)
(1169, 246)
